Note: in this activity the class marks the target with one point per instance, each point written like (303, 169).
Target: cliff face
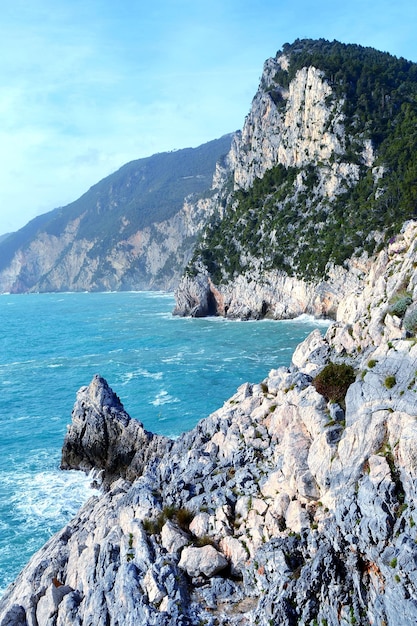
(281, 507)
(271, 294)
(151, 258)
(293, 127)
(134, 230)
(314, 191)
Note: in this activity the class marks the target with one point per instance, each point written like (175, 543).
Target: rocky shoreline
(282, 507)
(272, 294)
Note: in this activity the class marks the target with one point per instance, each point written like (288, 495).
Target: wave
(309, 319)
(136, 344)
(127, 377)
(163, 397)
(50, 496)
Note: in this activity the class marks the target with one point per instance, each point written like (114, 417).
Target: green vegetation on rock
(334, 380)
(284, 220)
(399, 303)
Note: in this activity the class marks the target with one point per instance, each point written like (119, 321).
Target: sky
(89, 85)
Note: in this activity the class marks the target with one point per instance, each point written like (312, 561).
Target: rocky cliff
(134, 230)
(294, 503)
(318, 185)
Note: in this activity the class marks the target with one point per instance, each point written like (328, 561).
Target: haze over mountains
(134, 229)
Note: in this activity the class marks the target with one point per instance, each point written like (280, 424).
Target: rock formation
(282, 507)
(313, 193)
(294, 503)
(103, 437)
(272, 294)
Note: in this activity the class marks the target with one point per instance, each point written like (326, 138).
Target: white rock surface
(205, 561)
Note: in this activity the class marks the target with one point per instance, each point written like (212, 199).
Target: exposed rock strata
(272, 294)
(296, 127)
(302, 512)
(152, 258)
(305, 129)
(103, 437)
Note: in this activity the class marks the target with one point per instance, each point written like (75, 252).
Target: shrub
(399, 303)
(154, 526)
(205, 540)
(334, 380)
(410, 322)
(390, 381)
(181, 516)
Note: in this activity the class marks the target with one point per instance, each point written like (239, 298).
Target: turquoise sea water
(169, 372)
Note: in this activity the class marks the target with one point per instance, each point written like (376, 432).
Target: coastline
(79, 335)
(268, 504)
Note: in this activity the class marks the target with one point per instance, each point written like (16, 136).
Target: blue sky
(88, 85)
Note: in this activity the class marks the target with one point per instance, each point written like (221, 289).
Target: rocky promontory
(104, 438)
(294, 503)
(322, 176)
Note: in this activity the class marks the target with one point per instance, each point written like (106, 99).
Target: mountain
(324, 174)
(133, 230)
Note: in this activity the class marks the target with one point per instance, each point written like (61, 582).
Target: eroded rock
(104, 437)
(205, 561)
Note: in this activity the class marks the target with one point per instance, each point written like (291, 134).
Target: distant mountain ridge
(92, 243)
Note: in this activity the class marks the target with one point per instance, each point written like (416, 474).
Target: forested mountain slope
(134, 229)
(325, 169)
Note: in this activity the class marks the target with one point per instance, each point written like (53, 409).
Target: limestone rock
(103, 436)
(205, 561)
(194, 297)
(312, 353)
(256, 295)
(236, 554)
(172, 538)
(154, 592)
(312, 505)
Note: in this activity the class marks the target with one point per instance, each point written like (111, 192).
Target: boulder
(205, 561)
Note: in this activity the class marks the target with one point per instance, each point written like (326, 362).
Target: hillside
(123, 233)
(324, 170)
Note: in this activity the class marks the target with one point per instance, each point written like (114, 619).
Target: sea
(168, 371)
